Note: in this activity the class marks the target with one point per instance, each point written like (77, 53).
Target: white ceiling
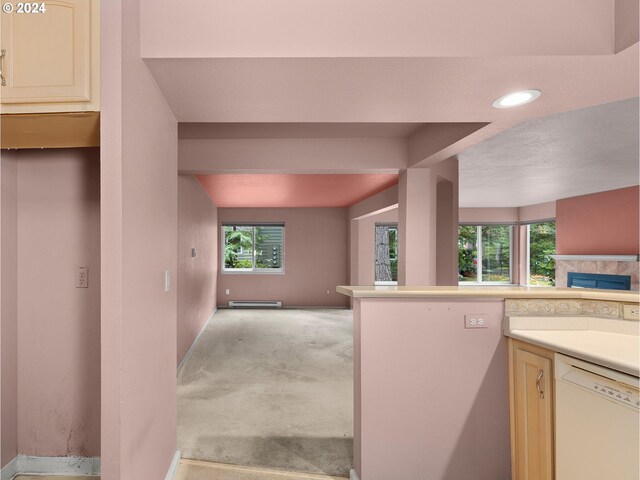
(583, 151)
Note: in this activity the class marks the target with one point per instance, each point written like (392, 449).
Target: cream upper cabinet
(51, 59)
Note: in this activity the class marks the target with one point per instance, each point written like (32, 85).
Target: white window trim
(528, 253)
(480, 256)
(252, 271)
(384, 282)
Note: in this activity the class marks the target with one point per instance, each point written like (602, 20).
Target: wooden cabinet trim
(549, 426)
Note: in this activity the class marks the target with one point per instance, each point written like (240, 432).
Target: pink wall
(293, 155)
(288, 28)
(315, 258)
(601, 223)
(58, 324)
(447, 232)
(414, 228)
(9, 306)
(539, 211)
(381, 201)
(139, 200)
(420, 211)
(488, 215)
(431, 398)
(197, 276)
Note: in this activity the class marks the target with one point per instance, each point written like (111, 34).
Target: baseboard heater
(255, 304)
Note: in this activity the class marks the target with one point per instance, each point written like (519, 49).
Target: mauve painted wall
(9, 306)
(601, 223)
(139, 186)
(539, 211)
(488, 215)
(58, 324)
(197, 276)
(315, 258)
(431, 399)
(293, 29)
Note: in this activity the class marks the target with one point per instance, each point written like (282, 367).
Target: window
(253, 248)
(541, 244)
(484, 253)
(386, 253)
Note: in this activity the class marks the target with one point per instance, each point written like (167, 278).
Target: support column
(428, 224)
(416, 238)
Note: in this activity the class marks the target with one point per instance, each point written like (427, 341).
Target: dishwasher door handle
(540, 391)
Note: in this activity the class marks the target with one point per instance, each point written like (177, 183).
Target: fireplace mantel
(602, 258)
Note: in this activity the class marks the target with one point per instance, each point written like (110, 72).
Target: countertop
(612, 350)
(609, 342)
(492, 291)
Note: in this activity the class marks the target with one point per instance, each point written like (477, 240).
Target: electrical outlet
(631, 312)
(82, 277)
(477, 320)
(227, 291)
(194, 253)
(328, 292)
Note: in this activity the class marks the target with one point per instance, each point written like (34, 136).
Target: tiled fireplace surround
(597, 266)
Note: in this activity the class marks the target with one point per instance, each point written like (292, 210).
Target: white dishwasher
(597, 431)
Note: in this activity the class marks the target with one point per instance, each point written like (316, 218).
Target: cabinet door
(48, 57)
(533, 379)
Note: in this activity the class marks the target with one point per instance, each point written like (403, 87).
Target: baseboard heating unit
(255, 304)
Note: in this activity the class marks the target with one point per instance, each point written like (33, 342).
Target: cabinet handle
(540, 391)
(3, 53)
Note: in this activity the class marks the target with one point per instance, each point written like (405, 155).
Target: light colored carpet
(194, 470)
(271, 388)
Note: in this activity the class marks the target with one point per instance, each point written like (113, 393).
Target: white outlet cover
(475, 320)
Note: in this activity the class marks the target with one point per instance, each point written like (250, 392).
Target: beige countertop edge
(488, 291)
(576, 353)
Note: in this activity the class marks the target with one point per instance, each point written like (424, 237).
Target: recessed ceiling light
(516, 98)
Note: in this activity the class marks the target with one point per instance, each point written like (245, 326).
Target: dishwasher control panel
(614, 386)
(620, 394)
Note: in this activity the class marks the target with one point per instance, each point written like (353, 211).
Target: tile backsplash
(597, 266)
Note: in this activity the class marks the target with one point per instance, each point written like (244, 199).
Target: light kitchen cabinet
(532, 414)
(51, 59)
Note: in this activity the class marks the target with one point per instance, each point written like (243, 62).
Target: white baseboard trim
(173, 468)
(195, 342)
(10, 470)
(27, 465)
(353, 475)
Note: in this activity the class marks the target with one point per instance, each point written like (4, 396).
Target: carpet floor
(272, 389)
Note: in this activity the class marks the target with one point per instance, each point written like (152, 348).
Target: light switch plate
(475, 320)
(167, 280)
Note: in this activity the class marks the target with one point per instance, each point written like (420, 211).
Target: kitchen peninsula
(431, 372)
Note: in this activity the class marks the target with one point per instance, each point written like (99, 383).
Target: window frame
(253, 270)
(375, 226)
(527, 240)
(479, 249)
